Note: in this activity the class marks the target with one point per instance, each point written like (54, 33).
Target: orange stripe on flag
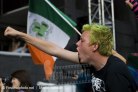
(48, 69)
(39, 57)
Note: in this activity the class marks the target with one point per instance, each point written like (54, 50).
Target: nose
(77, 44)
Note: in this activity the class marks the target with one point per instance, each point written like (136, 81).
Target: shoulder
(120, 76)
(116, 65)
(115, 60)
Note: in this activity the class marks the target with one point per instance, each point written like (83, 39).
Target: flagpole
(63, 17)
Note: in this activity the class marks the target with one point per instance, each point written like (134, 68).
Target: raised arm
(129, 4)
(46, 46)
(133, 4)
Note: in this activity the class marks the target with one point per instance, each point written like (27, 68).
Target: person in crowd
(107, 72)
(18, 46)
(19, 82)
(133, 4)
(1, 85)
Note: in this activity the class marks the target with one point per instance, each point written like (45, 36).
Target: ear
(95, 47)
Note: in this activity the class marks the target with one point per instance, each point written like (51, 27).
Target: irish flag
(47, 22)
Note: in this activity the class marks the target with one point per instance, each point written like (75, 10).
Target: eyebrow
(81, 38)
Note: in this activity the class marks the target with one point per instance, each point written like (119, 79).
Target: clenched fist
(11, 32)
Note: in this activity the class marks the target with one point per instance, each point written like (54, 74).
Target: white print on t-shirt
(98, 85)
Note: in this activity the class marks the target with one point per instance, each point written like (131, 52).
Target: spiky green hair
(101, 35)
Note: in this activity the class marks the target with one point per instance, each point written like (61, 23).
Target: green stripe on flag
(43, 9)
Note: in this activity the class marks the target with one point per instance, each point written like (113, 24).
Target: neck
(99, 62)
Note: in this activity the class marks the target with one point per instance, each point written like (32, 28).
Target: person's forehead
(86, 33)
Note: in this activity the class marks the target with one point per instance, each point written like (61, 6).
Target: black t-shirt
(113, 77)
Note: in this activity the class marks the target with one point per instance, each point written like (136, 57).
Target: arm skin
(49, 47)
(46, 46)
(129, 4)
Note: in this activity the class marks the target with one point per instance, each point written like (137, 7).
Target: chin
(82, 61)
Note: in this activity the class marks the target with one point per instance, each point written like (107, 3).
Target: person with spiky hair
(107, 73)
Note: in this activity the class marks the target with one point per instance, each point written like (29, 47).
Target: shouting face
(84, 47)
